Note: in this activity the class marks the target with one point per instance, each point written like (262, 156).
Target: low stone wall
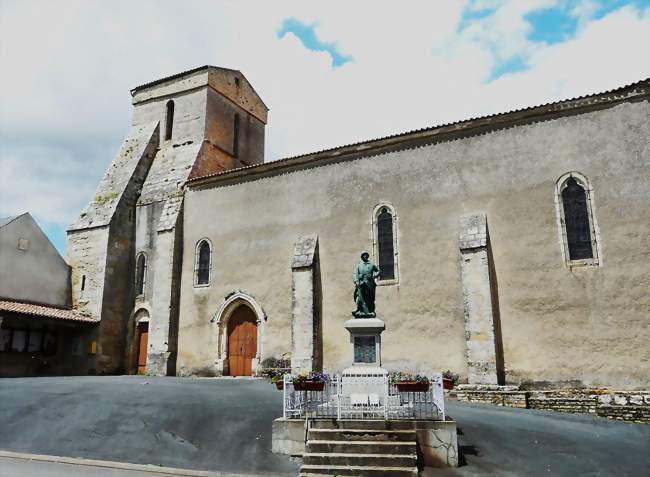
(631, 406)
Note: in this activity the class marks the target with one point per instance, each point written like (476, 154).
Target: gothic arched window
(140, 274)
(577, 220)
(203, 262)
(169, 120)
(385, 243)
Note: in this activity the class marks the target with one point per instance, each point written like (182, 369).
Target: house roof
(6, 220)
(429, 134)
(44, 311)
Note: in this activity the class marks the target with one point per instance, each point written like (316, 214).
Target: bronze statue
(364, 287)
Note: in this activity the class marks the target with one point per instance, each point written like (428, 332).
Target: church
(512, 248)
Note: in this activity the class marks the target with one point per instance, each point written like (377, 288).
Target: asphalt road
(225, 425)
(215, 424)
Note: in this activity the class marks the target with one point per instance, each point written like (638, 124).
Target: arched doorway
(140, 341)
(242, 341)
(143, 341)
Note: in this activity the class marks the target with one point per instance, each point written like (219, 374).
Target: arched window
(385, 243)
(169, 120)
(140, 274)
(203, 262)
(577, 221)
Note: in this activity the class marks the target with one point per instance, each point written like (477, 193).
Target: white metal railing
(364, 397)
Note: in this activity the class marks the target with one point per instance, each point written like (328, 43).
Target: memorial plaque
(364, 349)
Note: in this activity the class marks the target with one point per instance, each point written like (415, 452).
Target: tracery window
(169, 120)
(577, 221)
(385, 243)
(203, 262)
(140, 274)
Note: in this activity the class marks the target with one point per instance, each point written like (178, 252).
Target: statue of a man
(364, 283)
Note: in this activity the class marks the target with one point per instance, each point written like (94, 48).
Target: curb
(127, 466)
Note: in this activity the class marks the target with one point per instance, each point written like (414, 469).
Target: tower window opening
(169, 120)
(235, 136)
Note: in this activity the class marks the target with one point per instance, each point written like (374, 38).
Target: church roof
(432, 134)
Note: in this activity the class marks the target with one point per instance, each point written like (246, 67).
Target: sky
(331, 73)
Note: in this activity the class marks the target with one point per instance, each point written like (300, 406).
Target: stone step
(361, 435)
(361, 424)
(377, 460)
(361, 471)
(361, 447)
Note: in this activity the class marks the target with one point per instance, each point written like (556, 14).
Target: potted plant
(277, 377)
(408, 382)
(275, 369)
(311, 381)
(449, 379)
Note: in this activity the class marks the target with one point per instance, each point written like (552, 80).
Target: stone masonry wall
(620, 405)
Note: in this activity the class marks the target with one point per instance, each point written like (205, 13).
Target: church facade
(512, 248)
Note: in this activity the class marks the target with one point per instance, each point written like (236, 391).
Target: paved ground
(498, 441)
(27, 468)
(222, 424)
(225, 425)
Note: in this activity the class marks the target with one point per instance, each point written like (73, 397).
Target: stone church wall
(557, 324)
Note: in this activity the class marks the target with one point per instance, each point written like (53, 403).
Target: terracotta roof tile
(45, 311)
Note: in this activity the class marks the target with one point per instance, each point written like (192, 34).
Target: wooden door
(242, 341)
(143, 338)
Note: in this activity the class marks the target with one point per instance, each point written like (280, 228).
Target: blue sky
(306, 33)
(332, 73)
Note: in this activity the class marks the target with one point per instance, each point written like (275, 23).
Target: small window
(385, 243)
(235, 136)
(19, 340)
(169, 120)
(35, 341)
(237, 82)
(49, 343)
(83, 282)
(576, 219)
(203, 262)
(140, 274)
(5, 339)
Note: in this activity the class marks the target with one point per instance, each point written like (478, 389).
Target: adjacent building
(39, 332)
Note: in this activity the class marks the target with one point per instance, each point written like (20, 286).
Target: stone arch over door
(222, 320)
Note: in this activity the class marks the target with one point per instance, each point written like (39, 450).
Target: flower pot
(279, 385)
(412, 387)
(309, 385)
(447, 383)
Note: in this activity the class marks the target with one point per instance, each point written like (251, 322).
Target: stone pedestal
(366, 375)
(365, 338)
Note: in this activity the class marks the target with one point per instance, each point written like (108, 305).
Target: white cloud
(68, 67)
